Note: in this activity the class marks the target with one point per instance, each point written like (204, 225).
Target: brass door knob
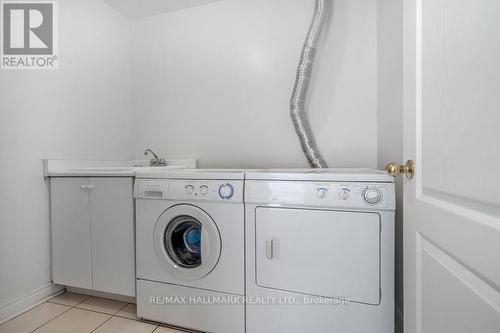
(395, 169)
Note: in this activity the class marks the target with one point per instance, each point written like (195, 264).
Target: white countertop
(117, 168)
(141, 169)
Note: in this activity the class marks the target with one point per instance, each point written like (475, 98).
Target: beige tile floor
(77, 313)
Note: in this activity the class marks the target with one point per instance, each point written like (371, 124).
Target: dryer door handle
(272, 248)
(269, 248)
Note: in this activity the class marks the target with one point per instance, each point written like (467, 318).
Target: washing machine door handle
(205, 245)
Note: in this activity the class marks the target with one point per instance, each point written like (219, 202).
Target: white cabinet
(92, 223)
(112, 234)
(70, 225)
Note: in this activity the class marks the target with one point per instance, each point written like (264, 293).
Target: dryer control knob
(344, 194)
(189, 189)
(321, 192)
(372, 195)
(226, 191)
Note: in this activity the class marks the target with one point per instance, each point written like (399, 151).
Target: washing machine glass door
(187, 242)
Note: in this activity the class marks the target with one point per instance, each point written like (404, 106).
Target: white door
(112, 231)
(452, 131)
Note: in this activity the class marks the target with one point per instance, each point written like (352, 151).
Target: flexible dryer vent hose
(302, 81)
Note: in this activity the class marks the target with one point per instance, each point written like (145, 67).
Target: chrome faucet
(155, 161)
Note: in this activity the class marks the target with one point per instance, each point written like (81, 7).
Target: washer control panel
(204, 190)
(338, 195)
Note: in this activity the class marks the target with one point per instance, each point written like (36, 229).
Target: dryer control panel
(199, 190)
(361, 195)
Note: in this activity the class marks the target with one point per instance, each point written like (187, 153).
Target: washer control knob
(226, 191)
(321, 192)
(344, 193)
(189, 189)
(372, 195)
(203, 189)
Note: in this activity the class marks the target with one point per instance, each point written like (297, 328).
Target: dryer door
(333, 254)
(187, 242)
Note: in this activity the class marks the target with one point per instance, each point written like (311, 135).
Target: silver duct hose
(299, 95)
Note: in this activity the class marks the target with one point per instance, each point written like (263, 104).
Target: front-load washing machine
(190, 248)
(320, 251)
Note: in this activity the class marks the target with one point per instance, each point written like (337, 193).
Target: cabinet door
(70, 226)
(112, 225)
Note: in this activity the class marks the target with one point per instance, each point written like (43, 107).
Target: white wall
(214, 82)
(81, 110)
(390, 116)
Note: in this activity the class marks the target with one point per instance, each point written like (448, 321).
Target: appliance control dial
(344, 193)
(203, 189)
(226, 191)
(321, 192)
(189, 189)
(372, 195)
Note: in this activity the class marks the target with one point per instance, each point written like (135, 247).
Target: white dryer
(190, 248)
(320, 251)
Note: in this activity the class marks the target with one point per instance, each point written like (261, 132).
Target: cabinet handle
(90, 187)
(83, 187)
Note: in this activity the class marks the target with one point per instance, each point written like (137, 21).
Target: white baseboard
(29, 300)
(399, 321)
